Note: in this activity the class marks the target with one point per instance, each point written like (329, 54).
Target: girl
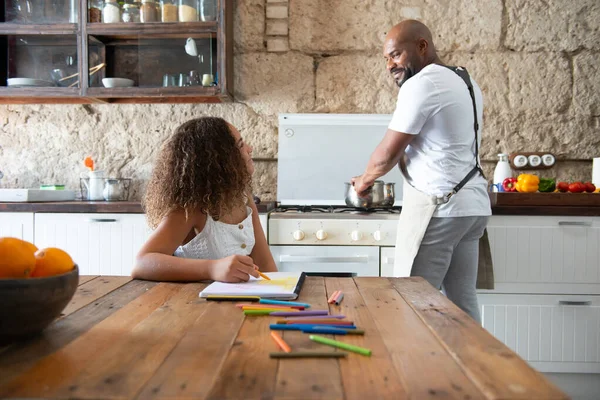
(199, 202)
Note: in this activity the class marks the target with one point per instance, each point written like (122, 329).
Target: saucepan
(379, 195)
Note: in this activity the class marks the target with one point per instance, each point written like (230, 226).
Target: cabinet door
(101, 244)
(534, 254)
(554, 333)
(387, 261)
(19, 225)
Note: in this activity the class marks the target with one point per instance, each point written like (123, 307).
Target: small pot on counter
(380, 195)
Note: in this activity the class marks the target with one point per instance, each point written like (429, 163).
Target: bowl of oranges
(35, 287)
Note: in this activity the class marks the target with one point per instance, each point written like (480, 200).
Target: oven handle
(388, 260)
(313, 259)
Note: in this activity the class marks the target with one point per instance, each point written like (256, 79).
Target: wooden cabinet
(19, 225)
(101, 244)
(60, 60)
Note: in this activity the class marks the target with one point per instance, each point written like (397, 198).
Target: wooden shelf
(8, 28)
(134, 92)
(39, 91)
(158, 30)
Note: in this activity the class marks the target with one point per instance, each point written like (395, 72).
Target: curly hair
(199, 168)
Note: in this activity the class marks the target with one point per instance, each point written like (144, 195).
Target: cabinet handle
(304, 259)
(102, 220)
(388, 260)
(574, 223)
(574, 303)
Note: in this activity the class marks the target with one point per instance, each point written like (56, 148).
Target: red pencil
(333, 296)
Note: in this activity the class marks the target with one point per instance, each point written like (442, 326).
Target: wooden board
(545, 199)
(93, 290)
(476, 351)
(86, 278)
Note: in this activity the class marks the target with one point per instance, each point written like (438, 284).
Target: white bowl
(117, 82)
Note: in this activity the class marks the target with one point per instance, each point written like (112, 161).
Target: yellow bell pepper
(527, 183)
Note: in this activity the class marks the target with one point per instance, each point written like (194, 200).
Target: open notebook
(283, 285)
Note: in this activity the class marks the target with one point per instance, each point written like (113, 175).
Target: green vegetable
(547, 185)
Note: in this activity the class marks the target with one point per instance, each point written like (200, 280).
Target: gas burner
(361, 210)
(305, 209)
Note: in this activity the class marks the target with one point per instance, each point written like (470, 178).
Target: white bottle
(501, 172)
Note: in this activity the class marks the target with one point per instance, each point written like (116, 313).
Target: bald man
(434, 136)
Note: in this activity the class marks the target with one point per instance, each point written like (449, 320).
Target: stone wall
(538, 63)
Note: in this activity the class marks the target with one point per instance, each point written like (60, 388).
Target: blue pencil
(299, 327)
(284, 303)
(325, 331)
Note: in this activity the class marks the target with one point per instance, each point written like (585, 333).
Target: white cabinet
(387, 261)
(360, 260)
(554, 333)
(101, 244)
(545, 254)
(264, 222)
(19, 225)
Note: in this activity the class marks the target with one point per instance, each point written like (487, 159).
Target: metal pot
(388, 194)
(375, 197)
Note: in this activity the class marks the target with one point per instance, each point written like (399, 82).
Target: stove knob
(298, 235)
(377, 236)
(321, 234)
(356, 236)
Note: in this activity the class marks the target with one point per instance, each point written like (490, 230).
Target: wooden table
(121, 339)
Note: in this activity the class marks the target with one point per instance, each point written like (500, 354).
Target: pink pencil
(315, 317)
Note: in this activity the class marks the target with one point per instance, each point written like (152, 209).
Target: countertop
(123, 338)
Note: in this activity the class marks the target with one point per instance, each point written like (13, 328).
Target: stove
(313, 230)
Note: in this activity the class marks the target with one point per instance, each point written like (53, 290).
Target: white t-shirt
(435, 105)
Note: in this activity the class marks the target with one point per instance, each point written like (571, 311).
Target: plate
(28, 82)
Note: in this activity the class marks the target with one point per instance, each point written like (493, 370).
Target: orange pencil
(279, 340)
(333, 296)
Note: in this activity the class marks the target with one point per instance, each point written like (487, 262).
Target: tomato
(590, 187)
(576, 187)
(562, 186)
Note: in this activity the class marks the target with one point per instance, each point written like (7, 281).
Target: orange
(52, 261)
(16, 258)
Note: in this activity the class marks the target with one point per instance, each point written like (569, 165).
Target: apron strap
(464, 75)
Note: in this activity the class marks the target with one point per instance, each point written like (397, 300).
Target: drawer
(554, 333)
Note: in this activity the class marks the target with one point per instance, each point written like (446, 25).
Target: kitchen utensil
(116, 189)
(389, 194)
(207, 80)
(374, 198)
(194, 78)
(117, 82)
(94, 184)
(28, 82)
(169, 80)
(184, 80)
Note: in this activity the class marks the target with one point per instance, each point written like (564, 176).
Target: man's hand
(361, 185)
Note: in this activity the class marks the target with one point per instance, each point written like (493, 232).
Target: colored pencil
(284, 303)
(341, 345)
(299, 313)
(309, 354)
(216, 297)
(339, 299)
(316, 317)
(280, 342)
(332, 297)
(299, 327)
(257, 306)
(325, 331)
(322, 322)
(263, 276)
(268, 310)
(257, 312)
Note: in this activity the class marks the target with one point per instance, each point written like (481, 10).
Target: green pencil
(257, 312)
(341, 345)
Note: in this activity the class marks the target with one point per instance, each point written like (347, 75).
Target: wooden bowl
(30, 305)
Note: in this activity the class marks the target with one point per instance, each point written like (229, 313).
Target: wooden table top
(121, 338)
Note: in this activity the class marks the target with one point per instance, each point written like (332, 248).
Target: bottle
(501, 172)
(188, 10)
(112, 12)
(208, 10)
(131, 13)
(149, 11)
(95, 11)
(168, 11)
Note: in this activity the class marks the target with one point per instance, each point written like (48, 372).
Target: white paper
(281, 285)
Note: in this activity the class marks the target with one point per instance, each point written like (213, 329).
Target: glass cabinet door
(41, 11)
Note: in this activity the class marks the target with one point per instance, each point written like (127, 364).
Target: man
(432, 136)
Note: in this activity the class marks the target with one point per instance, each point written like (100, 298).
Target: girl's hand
(234, 269)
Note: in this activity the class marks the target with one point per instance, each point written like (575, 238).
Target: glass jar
(168, 11)
(148, 11)
(131, 13)
(95, 11)
(188, 10)
(111, 13)
(208, 10)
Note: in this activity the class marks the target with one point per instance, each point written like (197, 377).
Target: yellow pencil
(264, 276)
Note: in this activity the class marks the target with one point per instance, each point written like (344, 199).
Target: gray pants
(448, 258)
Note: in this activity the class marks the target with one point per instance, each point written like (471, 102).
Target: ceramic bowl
(117, 82)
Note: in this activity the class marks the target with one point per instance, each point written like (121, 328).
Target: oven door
(359, 260)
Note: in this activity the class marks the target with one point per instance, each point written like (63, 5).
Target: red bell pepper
(576, 187)
(509, 184)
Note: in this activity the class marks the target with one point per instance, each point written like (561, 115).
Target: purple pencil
(316, 317)
(299, 313)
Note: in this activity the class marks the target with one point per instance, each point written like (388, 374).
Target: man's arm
(386, 155)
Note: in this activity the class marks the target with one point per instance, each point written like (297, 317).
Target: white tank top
(219, 240)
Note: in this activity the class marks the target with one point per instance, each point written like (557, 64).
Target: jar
(208, 10)
(168, 11)
(188, 10)
(148, 11)
(111, 13)
(131, 13)
(95, 11)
